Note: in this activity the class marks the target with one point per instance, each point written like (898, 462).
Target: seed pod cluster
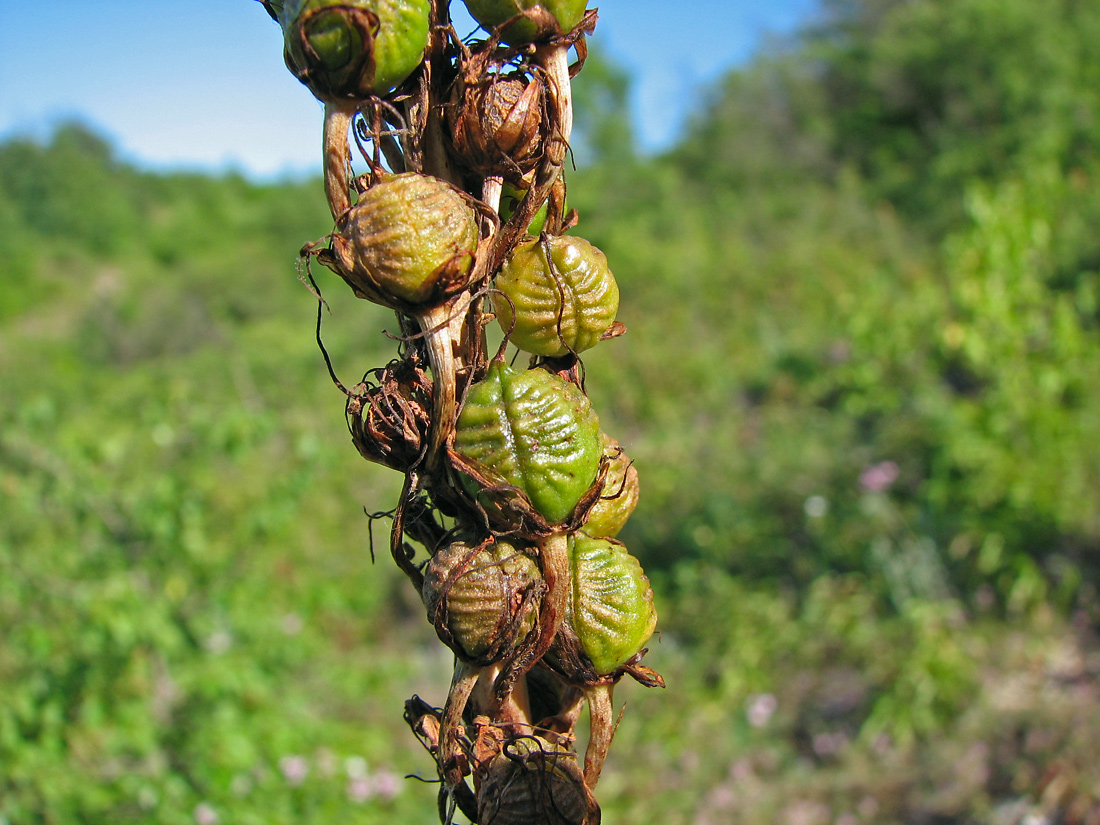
(513, 496)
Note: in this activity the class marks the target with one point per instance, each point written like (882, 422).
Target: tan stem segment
(491, 188)
(450, 727)
(513, 709)
(571, 708)
(437, 160)
(602, 731)
(337, 157)
(555, 62)
(554, 556)
(444, 330)
(554, 551)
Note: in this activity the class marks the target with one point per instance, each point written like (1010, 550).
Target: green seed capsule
(558, 308)
(348, 49)
(536, 432)
(619, 496)
(611, 609)
(510, 197)
(491, 13)
(410, 237)
(482, 600)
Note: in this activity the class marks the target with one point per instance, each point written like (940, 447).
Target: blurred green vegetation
(860, 386)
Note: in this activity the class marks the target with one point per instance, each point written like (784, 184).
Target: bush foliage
(863, 295)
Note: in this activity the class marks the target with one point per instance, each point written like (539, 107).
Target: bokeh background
(858, 248)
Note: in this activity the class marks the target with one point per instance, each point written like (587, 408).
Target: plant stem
(444, 330)
(337, 157)
(490, 191)
(555, 62)
(513, 709)
(554, 552)
(450, 728)
(602, 730)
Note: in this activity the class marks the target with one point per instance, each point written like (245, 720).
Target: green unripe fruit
(491, 13)
(482, 600)
(558, 308)
(536, 432)
(348, 49)
(611, 609)
(619, 496)
(510, 197)
(411, 237)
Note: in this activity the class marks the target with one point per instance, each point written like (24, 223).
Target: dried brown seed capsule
(619, 496)
(388, 414)
(532, 781)
(389, 430)
(559, 303)
(483, 600)
(496, 124)
(410, 240)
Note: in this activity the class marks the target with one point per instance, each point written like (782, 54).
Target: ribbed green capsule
(411, 237)
(482, 600)
(491, 13)
(611, 607)
(619, 496)
(348, 49)
(535, 431)
(565, 303)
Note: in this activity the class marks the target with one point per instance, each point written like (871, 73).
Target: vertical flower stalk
(512, 493)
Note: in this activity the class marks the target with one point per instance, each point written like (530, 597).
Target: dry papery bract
(497, 118)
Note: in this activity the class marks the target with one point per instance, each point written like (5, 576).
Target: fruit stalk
(602, 731)
(554, 554)
(490, 191)
(451, 728)
(554, 60)
(444, 328)
(337, 156)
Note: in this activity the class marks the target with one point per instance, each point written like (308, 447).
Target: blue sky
(201, 83)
